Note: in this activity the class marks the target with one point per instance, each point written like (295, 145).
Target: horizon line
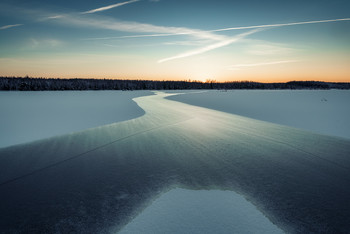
(172, 80)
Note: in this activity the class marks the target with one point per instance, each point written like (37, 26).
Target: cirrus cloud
(109, 7)
(239, 66)
(10, 26)
(209, 47)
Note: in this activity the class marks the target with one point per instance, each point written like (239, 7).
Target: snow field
(29, 116)
(321, 111)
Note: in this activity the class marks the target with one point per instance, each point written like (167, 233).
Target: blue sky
(176, 39)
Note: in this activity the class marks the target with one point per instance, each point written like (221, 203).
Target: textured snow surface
(322, 111)
(200, 211)
(29, 116)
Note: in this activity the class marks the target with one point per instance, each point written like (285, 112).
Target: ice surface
(200, 211)
(322, 111)
(98, 180)
(28, 116)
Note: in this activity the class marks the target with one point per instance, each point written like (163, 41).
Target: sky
(222, 40)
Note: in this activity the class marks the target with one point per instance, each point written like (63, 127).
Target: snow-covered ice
(200, 211)
(99, 179)
(29, 116)
(322, 111)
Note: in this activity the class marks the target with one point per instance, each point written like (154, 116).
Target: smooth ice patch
(203, 211)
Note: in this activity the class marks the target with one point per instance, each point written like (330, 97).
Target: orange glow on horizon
(194, 70)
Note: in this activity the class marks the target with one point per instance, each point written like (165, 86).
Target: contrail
(10, 26)
(237, 66)
(144, 35)
(209, 48)
(227, 29)
(109, 7)
(280, 25)
(55, 17)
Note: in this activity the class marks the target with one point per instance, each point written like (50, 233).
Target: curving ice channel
(200, 211)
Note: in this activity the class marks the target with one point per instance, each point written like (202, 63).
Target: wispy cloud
(281, 25)
(10, 26)
(235, 28)
(143, 36)
(209, 47)
(261, 47)
(109, 7)
(186, 43)
(50, 42)
(134, 27)
(112, 24)
(150, 30)
(239, 66)
(55, 17)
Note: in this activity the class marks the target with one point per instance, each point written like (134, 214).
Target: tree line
(55, 84)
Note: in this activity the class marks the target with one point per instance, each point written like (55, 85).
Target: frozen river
(100, 179)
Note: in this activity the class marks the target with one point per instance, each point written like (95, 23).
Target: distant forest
(43, 84)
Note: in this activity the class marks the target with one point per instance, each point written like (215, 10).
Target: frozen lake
(29, 116)
(101, 179)
(322, 111)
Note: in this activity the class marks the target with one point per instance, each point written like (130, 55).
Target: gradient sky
(176, 39)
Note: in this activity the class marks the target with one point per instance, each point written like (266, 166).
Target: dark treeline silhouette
(42, 84)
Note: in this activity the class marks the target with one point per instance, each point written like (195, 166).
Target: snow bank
(29, 116)
(322, 111)
(203, 211)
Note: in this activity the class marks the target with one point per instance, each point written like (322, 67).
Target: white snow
(322, 111)
(200, 211)
(29, 116)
